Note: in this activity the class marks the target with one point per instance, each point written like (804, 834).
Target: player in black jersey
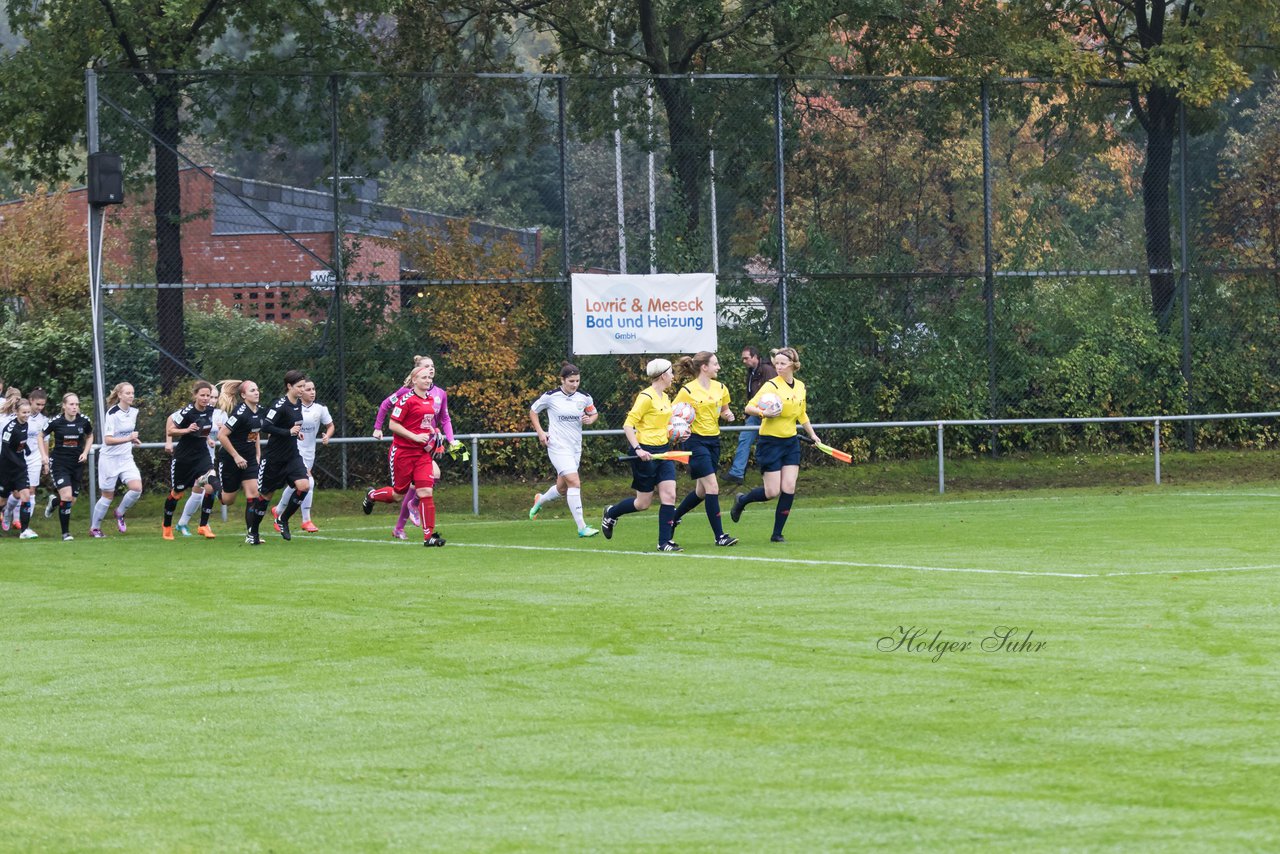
(13, 466)
(239, 451)
(186, 436)
(70, 438)
(282, 463)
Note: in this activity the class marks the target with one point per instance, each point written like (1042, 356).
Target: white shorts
(35, 467)
(112, 471)
(565, 461)
(309, 460)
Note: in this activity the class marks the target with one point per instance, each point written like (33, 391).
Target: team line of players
(212, 448)
(217, 448)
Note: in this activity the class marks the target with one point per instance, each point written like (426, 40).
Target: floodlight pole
(1184, 280)
(782, 207)
(339, 269)
(988, 265)
(96, 216)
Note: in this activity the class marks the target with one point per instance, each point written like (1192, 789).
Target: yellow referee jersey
(706, 402)
(649, 415)
(783, 425)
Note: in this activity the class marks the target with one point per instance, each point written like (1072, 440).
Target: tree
(503, 321)
(41, 91)
(1172, 55)
(668, 40)
(42, 258)
(1169, 54)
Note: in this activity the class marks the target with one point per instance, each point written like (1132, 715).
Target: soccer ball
(684, 411)
(677, 429)
(770, 404)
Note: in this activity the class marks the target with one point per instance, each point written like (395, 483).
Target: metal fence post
(782, 208)
(563, 141)
(1184, 283)
(96, 223)
(988, 264)
(475, 476)
(339, 271)
(942, 475)
(1156, 444)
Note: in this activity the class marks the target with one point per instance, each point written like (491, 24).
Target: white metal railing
(939, 426)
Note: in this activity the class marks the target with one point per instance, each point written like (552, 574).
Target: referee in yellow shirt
(646, 432)
(710, 401)
(778, 449)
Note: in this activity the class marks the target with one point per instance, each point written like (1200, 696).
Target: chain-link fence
(934, 248)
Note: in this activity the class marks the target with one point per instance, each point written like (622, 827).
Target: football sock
(428, 510)
(713, 515)
(64, 516)
(284, 499)
(755, 495)
(249, 514)
(100, 508)
(295, 501)
(666, 519)
(260, 506)
(573, 497)
(622, 508)
(782, 511)
(551, 495)
(170, 505)
(690, 501)
(24, 516)
(383, 495)
(206, 508)
(306, 499)
(404, 516)
(130, 498)
(191, 507)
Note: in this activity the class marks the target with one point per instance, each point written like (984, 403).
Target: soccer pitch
(1082, 669)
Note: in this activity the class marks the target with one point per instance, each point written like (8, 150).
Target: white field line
(859, 565)
(820, 511)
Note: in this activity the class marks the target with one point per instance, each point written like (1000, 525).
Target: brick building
(243, 240)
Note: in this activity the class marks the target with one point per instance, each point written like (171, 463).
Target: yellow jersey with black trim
(650, 415)
(706, 403)
(783, 425)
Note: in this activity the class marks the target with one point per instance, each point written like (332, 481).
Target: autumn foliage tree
(42, 257)
(485, 332)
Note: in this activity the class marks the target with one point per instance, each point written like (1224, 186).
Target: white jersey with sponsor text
(564, 417)
(315, 418)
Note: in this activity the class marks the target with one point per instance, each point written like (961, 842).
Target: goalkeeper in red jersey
(413, 439)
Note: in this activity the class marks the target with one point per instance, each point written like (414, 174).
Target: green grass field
(523, 689)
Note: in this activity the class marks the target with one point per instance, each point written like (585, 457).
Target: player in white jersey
(568, 410)
(115, 460)
(317, 423)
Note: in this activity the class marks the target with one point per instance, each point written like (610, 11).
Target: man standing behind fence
(758, 373)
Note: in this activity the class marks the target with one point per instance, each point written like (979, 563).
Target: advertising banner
(661, 313)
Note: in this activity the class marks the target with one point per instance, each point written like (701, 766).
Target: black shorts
(13, 479)
(65, 473)
(704, 455)
(647, 474)
(183, 472)
(231, 476)
(773, 453)
(273, 475)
